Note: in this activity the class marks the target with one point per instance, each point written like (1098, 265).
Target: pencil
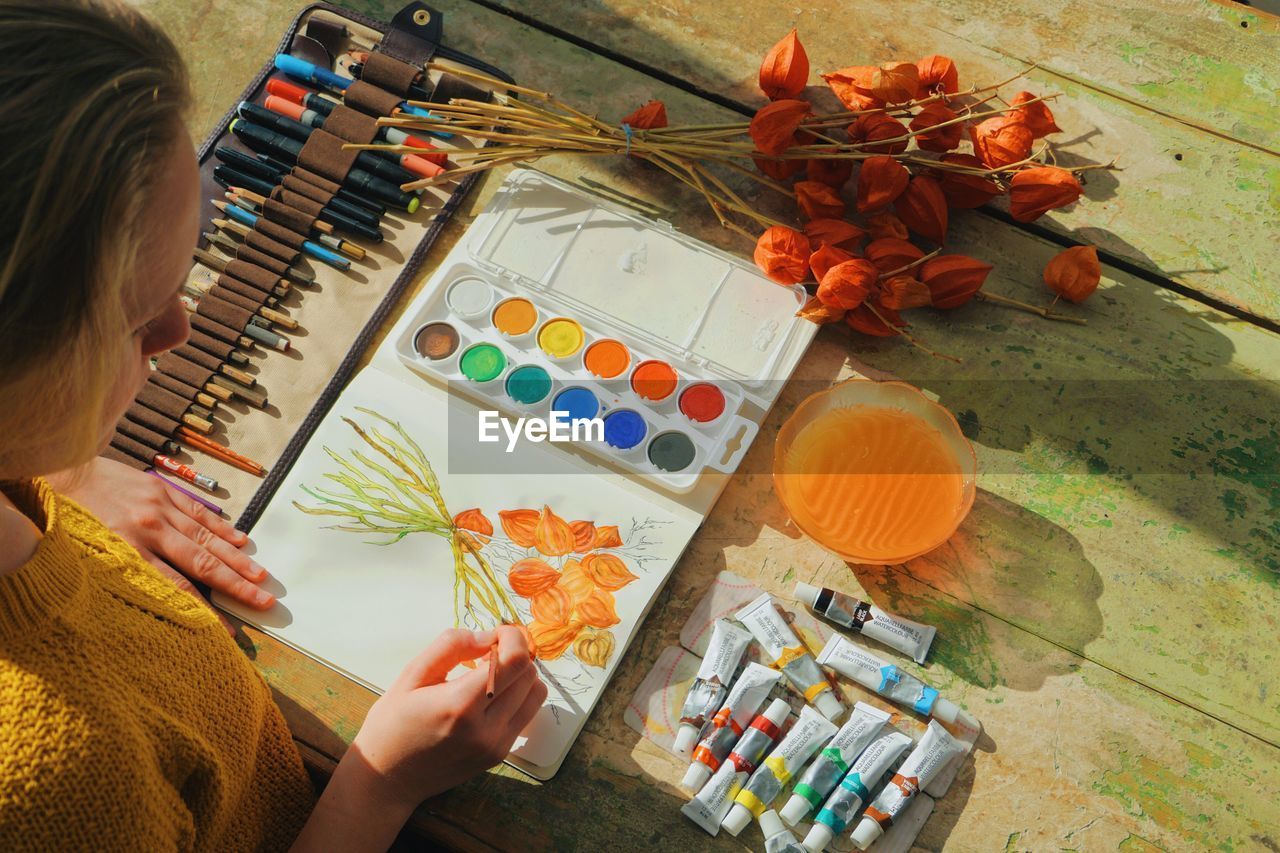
(219, 451)
(207, 504)
(493, 671)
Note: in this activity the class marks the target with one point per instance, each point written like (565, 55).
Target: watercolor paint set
(563, 302)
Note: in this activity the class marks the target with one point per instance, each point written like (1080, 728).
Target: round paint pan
(561, 337)
(624, 429)
(577, 403)
(702, 402)
(469, 297)
(515, 316)
(528, 384)
(436, 341)
(607, 358)
(654, 380)
(672, 451)
(482, 363)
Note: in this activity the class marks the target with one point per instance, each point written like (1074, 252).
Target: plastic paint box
(552, 280)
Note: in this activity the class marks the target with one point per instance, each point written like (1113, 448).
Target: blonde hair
(91, 95)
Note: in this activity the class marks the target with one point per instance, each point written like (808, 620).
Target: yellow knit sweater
(129, 720)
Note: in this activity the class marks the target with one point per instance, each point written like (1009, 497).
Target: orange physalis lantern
(999, 142)
(531, 576)
(852, 86)
(785, 69)
(651, 115)
(607, 536)
(574, 581)
(607, 571)
(774, 126)
(1074, 274)
(1036, 116)
(832, 171)
(863, 319)
(827, 257)
(779, 170)
(904, 291)
(881, 180)
(929, 135)
(895, 82)
(551, 606)
(552, 641)
(923, 208)
(816, 200)
(937, 74)
(594, 648)
(520, 525)
(598, 610)
(816, 311)
(832, 232)
(874, 130)
(885, 224)
(889, 254)
(847, 284)
(1034, 191)
(783, 255)
(965, 190)
(552, 536)
(953, 279)
(584, 536)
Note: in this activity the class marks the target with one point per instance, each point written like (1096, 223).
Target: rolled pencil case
(147, 436)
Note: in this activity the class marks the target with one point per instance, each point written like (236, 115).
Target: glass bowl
(875, 472)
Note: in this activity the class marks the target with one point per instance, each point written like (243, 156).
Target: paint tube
(833, 762)
(809, 733)
(910, 638)
(745, 698)
(780, 643)
(934, 751)
(709, 806)
(724, 653)
(854, 789)
(777, 838)
(854, 662)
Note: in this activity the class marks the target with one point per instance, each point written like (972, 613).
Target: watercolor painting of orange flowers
(559, 579)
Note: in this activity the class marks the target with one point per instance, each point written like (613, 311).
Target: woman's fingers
(203, 563)
(524, 715)
(203, 516)
(508, 700)
(445, 652)
(210, 539)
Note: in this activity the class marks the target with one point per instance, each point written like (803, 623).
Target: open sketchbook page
(367, 573)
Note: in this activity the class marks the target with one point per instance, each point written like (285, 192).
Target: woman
(128, 718)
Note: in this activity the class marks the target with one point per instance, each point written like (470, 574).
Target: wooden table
(1109, 609)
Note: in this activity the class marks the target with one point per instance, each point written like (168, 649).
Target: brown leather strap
(295, 184)
(263, 279)
(298, 201)
(172, 383)
(249, 255)
(229, 315)
(114, 453)
(142, 434)
(248, 291)
(293, 218)
(367, 99)
(451, 86)
(271, 247)
(351, 125)
(165, 402)
(234, 298)
(388, 73)
(319, 181)
(190, 353)
(221, 350)
(276, 231)
(184, 371)
(323, 153)
(140, 414)
(214, 329)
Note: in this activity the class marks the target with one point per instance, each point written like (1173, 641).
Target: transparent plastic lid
(680, 295)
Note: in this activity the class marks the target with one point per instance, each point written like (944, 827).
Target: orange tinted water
(872, 482)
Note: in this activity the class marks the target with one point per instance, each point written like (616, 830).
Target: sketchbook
(403, 517)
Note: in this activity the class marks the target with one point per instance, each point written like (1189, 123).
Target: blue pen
(300, 69)
(317, 251)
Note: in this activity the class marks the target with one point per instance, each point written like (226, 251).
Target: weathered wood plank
(1190, 205)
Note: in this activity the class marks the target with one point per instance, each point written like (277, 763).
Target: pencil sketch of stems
(395, 492)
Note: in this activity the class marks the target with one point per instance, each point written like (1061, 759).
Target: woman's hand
(177, 535)
(426, 735)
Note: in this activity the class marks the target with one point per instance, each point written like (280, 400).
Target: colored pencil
(493, 671)
(207, 504)
(221, 451)
(187, 473)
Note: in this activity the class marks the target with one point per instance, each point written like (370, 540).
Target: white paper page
(366, 609)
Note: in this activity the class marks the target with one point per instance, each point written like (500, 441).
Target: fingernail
(263, 598)
(486, 638)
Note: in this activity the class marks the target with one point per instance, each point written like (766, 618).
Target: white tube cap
(796, 810)
(695, 777)
(686, 739)
(867, 832)
(808, 593)
(737, 819)
(770, 823)
(819, 837)
(829, 706)
(778, 711)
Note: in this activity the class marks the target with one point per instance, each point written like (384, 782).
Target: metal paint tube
(910, 638)
(934, 751)
(709, 806)
(855, 788)
(822, 776)
(745, 698)
(806, 737)
(765, 622)
(724, 653)
(854, 662)
(777, 838)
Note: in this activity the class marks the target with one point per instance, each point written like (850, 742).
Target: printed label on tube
(790, 655)
(712, 803)
(745, 698)
(910, 638)
(810, 732)
(855, 787)
(832, 763)
(936, 749)
(856, 663)
(724, 653)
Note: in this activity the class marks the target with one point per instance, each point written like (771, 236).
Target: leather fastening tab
(415, 33)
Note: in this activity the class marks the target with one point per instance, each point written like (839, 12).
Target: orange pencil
(213, 448)
(493, 671)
